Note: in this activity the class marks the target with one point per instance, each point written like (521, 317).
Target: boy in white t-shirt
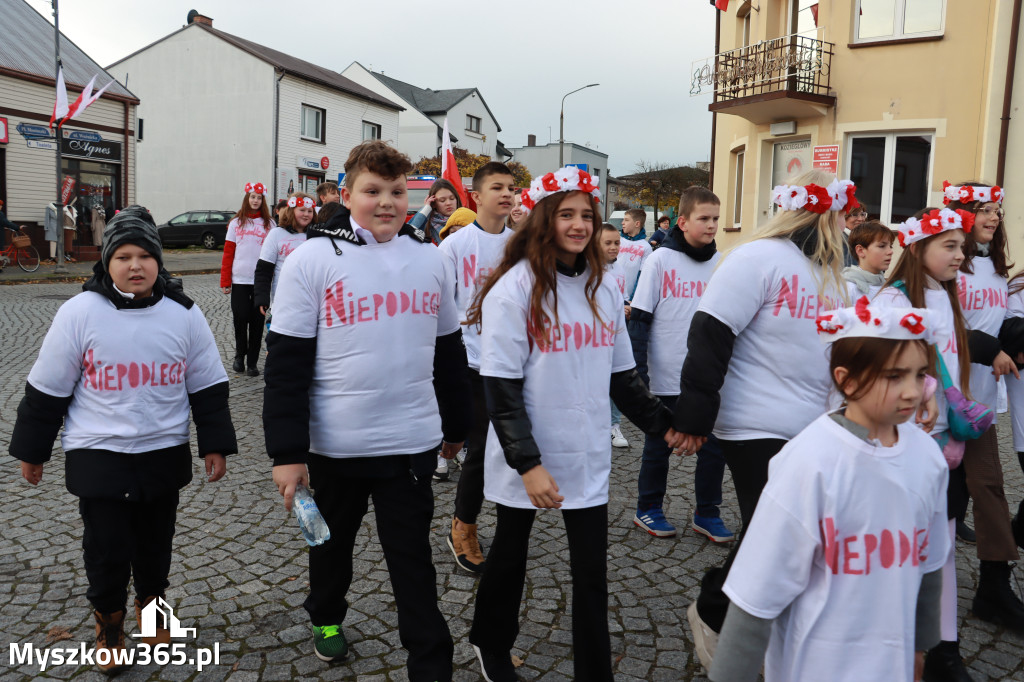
(472, 252)
(871, 243)
(610, 248)
(365, 351)
(670, 288)
(121, 367)
(633, 249)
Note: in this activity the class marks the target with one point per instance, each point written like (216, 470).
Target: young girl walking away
(982, 287)
(925, 277)
(281, 241)
(840, 574)
(242, 246)
(121, 366)
(552, 333)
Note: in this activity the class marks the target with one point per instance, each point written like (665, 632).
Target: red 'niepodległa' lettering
(343, 307)
(860, 554)
(107, 375)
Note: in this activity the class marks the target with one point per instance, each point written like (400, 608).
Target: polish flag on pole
(449, 169)
(721, 4)
(60, 107)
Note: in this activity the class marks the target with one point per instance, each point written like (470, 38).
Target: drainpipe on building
(714, 114)
(124, 161)
(1004, 121)
(277, 109)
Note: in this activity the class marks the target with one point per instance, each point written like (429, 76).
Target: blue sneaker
(713, 527)
(653, 521)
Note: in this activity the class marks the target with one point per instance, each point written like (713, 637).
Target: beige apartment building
(897, 95)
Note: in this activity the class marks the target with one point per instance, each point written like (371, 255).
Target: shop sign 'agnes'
(102, 150)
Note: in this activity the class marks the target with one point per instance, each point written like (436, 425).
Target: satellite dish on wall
(192, 14)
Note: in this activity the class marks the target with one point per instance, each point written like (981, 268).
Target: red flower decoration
(824, 201)
(913, 322)
(861, 308)
(903, 241)
(945, 199)
(966, 194)
(259, 188)
(997, 194)
(967, 219)
(549, 182)
(931, 223)
(851, 200)
(587, 182)
(825, 324)
(528, 202)
(248, 187)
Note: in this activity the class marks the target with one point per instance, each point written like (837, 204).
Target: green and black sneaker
(329, 643)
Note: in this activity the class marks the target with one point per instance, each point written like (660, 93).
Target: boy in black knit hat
(121, 366)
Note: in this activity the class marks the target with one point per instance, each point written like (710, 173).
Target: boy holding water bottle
(364, 354)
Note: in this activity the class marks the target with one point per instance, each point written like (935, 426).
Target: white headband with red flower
(965, 194)
(838, 196)
(305, 202)
(877, 322)
(258, 188)
(568, 179)
(934, 222)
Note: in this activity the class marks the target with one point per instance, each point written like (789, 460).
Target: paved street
(240, 563)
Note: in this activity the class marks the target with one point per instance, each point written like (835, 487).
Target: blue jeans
(617, 416)
(654, 464)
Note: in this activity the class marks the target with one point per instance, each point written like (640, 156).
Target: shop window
(473, 123)
(883, 20)
(312, 123)
(737, 192)
(892, 172)
(371, 131)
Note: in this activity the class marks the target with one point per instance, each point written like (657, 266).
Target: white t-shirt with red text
(778, 380)
(614, 271)
(983, 301)
(473, 253)
(248, 238)
(842, 535)
(566, 378)
(276, 248)
(670, 288)
(941, 312)
(375, 311)
(632, 255)
(129, 371)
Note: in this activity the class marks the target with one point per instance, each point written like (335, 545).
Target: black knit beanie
(132, 225)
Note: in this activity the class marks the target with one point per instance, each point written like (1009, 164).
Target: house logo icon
(159, 613)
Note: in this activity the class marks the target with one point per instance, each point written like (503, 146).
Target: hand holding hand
(690, 444)
(1004, 364)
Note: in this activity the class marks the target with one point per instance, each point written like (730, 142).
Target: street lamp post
(561, 124)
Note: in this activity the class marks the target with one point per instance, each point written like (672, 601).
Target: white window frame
(889, 164)
(374, 128)
(899, 21)
(739, 162)
(320, 116)
(470, 120)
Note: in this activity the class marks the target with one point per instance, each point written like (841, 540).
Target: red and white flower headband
(965, 194)
(257, 187)
(838, 196)
(877, 322)
(934, 222)
(305, 202)
(568, 179)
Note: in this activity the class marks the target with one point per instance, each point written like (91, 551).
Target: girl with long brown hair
(552, 341)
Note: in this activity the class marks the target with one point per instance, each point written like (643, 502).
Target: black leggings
(496, 616)
(248, 323)
(469, 496)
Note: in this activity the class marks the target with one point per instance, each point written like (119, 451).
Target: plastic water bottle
(312, 524)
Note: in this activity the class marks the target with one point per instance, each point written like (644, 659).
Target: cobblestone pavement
(239, 566)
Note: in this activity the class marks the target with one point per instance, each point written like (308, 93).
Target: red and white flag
(449, 169)
(721, 4)
(60, 107)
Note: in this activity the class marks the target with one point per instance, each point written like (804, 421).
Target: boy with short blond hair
(365, 352)
(472, 252)
(666, 298)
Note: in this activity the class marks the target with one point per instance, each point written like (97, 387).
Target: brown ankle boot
(110, 637)
(163, 635)
(465, 546)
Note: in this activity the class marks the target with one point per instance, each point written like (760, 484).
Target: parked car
(203, 228)
(419, 187)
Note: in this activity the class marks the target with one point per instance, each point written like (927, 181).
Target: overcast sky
(522, 56)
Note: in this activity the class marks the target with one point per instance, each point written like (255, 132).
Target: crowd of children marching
(852, 406)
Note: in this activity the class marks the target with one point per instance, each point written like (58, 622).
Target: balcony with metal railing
(778, 79)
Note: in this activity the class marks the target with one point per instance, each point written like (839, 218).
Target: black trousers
(248, 323)
(500, 593)
(403, 507)
(748, 463)
(124, 539)
(469, 495)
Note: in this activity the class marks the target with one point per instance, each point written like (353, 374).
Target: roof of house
(289, 64)
(429, 101)
(30, 56)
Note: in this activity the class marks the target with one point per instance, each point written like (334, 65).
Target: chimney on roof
(531, 140)
(196, 17)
